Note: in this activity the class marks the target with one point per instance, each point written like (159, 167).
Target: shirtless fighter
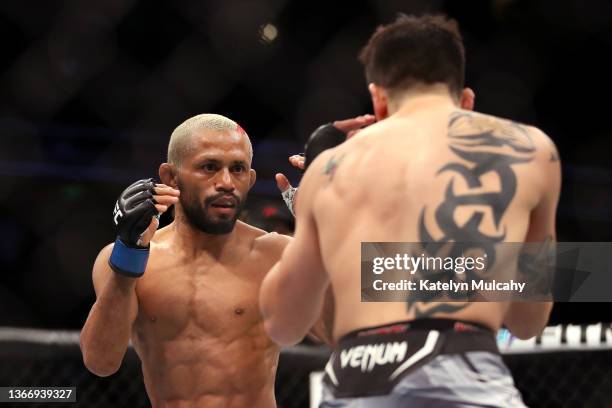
(427, 171)
(191, 309)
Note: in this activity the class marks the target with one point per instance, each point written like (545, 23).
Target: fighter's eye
(209, 167)
(238, 168)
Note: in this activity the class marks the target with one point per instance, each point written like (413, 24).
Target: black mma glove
(323, 138)
(132, 215)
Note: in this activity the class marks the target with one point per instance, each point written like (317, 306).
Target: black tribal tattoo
(484, 145)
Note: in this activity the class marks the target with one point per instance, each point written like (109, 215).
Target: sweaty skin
(404, 179)
(193, 317)
(198, 331)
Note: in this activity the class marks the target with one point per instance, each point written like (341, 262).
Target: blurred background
(90, 92)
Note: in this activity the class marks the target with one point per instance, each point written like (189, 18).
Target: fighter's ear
(167, 175)
(466, 101)
(252, 177)
(380, 101)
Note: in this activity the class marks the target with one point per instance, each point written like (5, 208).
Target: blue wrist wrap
(130, 262)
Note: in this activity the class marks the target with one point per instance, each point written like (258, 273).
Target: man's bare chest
(192, 300)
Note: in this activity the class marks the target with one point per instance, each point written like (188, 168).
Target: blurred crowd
(92, 90)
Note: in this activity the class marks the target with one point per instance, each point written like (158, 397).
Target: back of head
(180, 140)
(413, 51)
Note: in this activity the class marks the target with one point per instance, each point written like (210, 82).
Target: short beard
(197, 215)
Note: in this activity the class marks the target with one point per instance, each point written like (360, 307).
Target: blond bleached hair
(180, 140)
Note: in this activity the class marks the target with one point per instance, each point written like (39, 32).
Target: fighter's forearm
(323, 329)
(286, 320)
(271, 303)
(106, 333)
(524, 327)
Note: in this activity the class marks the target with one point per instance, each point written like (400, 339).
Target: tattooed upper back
(457, 177)
(481, 148)
(439, 176)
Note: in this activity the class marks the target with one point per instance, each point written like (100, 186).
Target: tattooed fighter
(427, 171)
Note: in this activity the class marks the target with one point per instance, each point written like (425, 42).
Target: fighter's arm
(107, 330)
(292, 294)
(528, 319)
(321, 330)
(105, 336)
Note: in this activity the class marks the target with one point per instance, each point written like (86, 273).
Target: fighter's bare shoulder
(520, 135)
(545, 146)
(272, 244)
(322, 170)
(269, 244)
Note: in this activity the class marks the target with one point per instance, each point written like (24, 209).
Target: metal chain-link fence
(562, 378)
(580, 378)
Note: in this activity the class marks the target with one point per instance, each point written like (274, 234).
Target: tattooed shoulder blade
(480, 145)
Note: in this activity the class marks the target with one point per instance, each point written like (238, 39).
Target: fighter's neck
(409, 102)
(195, 241)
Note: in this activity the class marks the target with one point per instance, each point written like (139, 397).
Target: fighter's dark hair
(415, 50)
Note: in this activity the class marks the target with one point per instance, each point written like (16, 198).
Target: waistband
(426, 324)
(370, 361)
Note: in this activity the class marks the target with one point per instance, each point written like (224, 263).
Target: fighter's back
(435, 174)
(426, 172)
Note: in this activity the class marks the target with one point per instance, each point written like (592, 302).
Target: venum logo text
(371, 355)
